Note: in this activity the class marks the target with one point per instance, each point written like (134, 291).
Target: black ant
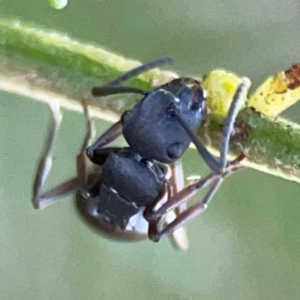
(127, 193)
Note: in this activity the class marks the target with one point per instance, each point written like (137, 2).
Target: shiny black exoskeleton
(153, 134)
(114, 189)
(129, 192)
(158, 128)
(152, 131)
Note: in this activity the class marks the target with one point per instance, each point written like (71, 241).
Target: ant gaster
(127, 192)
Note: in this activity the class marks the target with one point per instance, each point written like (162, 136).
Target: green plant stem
(52, 62)
(48, 66)
(270, 146)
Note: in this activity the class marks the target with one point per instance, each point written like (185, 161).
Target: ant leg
(183, 196)
(178, 178)
(190, 213)
(189, 191)
(177, 184)
(231, 117)
(218, 166)
(45, 163)
(178, 237)
(84, 167)
(107, 137)
(102, 91)
(66, 188)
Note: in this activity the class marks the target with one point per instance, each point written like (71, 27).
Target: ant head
(150, 122)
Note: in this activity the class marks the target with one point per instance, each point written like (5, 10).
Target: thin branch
(44, 65)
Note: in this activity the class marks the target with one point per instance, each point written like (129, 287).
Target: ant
(127, 193)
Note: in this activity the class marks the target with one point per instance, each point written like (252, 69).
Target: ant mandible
(127, 193)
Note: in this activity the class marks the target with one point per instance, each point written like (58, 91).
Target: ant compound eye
(175, 151)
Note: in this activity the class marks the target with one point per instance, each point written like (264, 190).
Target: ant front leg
(178, 237)
(212, 180)
(107, 137)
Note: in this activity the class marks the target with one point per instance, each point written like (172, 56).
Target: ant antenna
(139, 70)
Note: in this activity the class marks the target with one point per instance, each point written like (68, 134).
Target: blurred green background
(246, 246)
